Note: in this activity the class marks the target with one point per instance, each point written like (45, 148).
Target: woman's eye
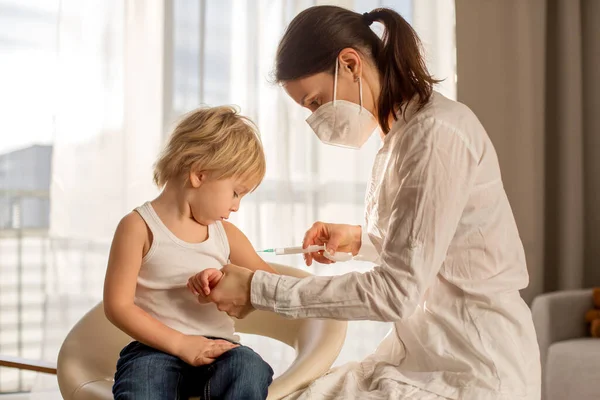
(235, 195)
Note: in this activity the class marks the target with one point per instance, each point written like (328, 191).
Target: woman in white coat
(439, 227)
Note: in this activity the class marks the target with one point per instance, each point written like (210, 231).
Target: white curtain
(129, 69)
(108, 129)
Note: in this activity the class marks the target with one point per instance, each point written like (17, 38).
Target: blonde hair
(216, 140)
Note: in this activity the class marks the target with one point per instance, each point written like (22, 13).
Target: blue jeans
(144, 373)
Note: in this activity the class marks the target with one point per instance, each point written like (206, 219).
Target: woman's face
(313, 91)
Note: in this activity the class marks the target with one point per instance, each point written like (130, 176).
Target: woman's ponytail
(402, 68)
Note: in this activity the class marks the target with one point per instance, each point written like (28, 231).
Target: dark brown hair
(315, 37)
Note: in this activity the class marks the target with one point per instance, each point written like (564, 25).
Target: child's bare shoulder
(234, 234)
(230, 228)
(132, 225)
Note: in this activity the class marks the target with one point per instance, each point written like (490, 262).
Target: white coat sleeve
(436, 171)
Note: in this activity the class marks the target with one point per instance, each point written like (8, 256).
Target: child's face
(213, 200)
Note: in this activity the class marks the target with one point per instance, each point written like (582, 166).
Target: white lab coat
(450, 265)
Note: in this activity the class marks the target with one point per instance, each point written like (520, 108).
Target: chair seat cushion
(573, 370)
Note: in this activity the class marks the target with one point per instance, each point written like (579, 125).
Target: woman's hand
(198, 350)
(339, 237)
(232, 293)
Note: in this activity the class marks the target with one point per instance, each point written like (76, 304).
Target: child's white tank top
(162, 282)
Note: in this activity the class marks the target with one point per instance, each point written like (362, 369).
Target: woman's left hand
(232, 293)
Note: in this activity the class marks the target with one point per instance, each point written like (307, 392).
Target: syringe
(294, 250)
(310, 249)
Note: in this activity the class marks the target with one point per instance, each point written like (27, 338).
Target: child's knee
(145, 373)
(261, 371)
(245, 363)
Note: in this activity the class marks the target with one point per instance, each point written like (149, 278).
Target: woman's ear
(350, 62)
(197, 178)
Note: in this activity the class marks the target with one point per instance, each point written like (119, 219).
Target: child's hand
(202, 283)
(198, 350)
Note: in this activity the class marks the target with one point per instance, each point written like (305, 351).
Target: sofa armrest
(559, 316)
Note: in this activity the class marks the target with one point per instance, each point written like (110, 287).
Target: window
(27, 77)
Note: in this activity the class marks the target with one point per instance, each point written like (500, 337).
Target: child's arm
(241, 251)
(124, 265)
(119, 291)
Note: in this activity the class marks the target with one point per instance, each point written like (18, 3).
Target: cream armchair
(570, 358)
(87, 359)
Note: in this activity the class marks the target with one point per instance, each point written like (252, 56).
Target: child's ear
(197, 178)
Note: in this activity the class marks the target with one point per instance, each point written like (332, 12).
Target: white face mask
(343, 123)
